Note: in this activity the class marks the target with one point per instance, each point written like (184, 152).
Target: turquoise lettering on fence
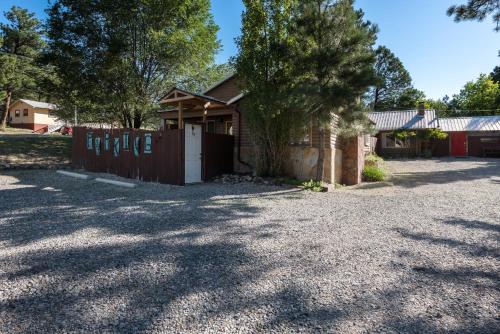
(148, 143)
(116, 147)
(97, 146)
(89, 140)
(137, 142)
(106, 141)
(126, 141)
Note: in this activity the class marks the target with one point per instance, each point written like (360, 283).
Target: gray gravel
(418, 254)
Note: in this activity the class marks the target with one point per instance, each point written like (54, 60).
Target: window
(229, 128)
(388, 141)
(302, 136)
(210, 126)
(489, 140)
(18, 113)
(89, 140)
(25, 112)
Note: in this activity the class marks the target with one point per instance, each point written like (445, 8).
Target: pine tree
(477, 10)
(334, 61)
(392, 80)
(21, 44)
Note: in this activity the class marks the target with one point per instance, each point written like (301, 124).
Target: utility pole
(76, 118)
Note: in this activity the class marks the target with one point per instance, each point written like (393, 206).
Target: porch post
(180, 119)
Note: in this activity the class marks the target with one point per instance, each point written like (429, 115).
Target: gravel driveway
(419, 254)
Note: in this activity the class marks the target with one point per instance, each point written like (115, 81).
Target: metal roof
(408, 119)
(477, 123)
(37, 104)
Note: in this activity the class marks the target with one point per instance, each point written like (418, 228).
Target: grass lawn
(35, 149)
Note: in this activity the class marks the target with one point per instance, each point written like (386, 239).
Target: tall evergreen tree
(495, 74)
(264, 68)
(334, 61)
(392, 80)
(117, 57)
(477, 10)
(21, 43)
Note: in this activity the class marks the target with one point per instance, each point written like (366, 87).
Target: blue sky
(440, 54)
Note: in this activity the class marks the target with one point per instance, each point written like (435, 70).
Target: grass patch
(35, 149)
(373, 174)
(312, 185)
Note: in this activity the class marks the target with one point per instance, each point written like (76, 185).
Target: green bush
(312, 185)
(373, 174)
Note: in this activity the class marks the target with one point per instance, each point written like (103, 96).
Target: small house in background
(32, 115)
(477, 136)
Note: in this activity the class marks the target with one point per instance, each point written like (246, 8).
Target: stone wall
(353, 160)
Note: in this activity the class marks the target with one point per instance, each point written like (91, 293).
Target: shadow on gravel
(150, 250)
(467, 281)
(489, 168)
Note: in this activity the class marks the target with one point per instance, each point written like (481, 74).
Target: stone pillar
(353, 160)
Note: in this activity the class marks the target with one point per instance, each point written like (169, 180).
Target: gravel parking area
(418, 254)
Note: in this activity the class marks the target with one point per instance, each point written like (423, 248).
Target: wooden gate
(218, 153)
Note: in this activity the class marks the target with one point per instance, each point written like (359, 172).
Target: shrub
(373, 174)
(312, 185)
(373, 160)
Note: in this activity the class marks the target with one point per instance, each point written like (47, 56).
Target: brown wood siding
(225, 91)
(244, 132)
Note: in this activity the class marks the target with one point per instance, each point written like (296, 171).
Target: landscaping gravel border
(416, 254)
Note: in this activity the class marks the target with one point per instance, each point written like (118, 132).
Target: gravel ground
(418, 254)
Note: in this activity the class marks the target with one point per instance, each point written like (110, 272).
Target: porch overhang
(181, 104)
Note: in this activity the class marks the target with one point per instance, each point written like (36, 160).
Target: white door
(192, 167)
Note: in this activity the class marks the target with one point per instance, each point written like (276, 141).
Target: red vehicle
(67, 130)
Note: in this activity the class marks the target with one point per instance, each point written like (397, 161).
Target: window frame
(26, 112)
(17, 113)
(207, 127)
(302, 142)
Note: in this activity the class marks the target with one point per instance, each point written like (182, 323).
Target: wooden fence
(153, 156)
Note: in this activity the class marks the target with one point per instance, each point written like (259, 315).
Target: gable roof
(200, 96)
(219, 83)
(476, 123)
(37, 104)
(408, 119)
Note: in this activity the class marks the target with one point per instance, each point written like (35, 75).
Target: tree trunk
(321, 155)
(137, 121)
(6, 111)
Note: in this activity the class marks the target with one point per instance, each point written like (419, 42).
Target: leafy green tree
(21, 43)
(477, 10)
(392, 80)
(198, 82)
(115, 58)
(264, 67)
(334, 60)
(479, 98)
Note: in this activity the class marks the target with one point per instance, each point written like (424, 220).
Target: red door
(458, 144)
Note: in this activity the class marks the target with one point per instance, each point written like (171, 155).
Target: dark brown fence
(218, 155)
(155, 156)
